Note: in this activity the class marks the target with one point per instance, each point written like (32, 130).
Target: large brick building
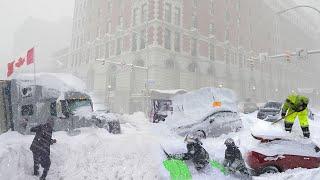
(184, 44)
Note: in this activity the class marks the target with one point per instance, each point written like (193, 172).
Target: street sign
(216, 104)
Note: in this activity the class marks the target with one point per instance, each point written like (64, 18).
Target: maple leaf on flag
(20, 62)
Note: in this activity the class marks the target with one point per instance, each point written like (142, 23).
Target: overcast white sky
(14, 12)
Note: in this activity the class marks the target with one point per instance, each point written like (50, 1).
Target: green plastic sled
(219, 166)
(178, 169)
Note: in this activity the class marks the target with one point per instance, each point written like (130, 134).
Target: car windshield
(222, 114)
(74, 104)
(275, 105)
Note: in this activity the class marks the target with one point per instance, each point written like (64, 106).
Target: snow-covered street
(134, 154)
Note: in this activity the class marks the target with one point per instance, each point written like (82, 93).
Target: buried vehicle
(281, 155)
(270, 111)
(214, 124)
(26, 104)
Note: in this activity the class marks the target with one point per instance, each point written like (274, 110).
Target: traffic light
(302, 54)
(263, 57)
(287, 56)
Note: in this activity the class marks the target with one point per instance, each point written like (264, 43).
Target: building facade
(124, 48)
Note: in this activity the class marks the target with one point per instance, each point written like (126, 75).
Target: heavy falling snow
(134, 154)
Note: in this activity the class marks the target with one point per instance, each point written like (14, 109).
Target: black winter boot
(306, 132)
(288, 126)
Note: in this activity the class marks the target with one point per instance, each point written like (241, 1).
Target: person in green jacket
(296, 106)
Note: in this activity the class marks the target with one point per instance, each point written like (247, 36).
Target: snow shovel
(178, 169)
(281, 118)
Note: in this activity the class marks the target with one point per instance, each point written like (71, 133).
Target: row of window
(168, 14)
(103, 51)
(143, 14)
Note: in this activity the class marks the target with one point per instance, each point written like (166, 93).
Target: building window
(107, 51)
(135, 17)
(177, 16)
(134, 41)
(119, 46)
(240, 60)
(212, 52)
(88, 56)
(102, 51)
(192, 67)
(195, 3)
(120, 23)
(97, 49)
(211, 7)
(211, 28)
(143, 39)
(99, 34)
(169, 64)
(113, 77)
(177, 42)
(109, 27)
(167, 39)
(227, 56)
(194, 21)
(227, 35)
(210, 70)
(27, 110)
(168, 12)
(227, 16)
(120, 4)
(194, 47)
(144, 13)
(109, 7)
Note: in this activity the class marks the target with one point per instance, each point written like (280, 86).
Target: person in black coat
(40, 147)
(233, 159)
(196, 153)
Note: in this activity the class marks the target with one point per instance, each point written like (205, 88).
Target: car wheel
(270, 170)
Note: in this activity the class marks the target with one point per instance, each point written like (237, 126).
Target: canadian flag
(30, 56)
(29, 59)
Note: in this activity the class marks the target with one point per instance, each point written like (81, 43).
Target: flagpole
(34, 66)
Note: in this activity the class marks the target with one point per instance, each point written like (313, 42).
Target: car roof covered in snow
(287, 147)
(58, 81)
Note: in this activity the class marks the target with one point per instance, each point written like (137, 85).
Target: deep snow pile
(134, 154)
(189, 107)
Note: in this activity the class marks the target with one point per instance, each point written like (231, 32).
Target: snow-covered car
(214, 124)
(270, 111)
(248, 107)
(281, 155)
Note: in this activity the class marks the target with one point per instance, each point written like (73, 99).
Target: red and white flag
(29, 59)
(30, 56)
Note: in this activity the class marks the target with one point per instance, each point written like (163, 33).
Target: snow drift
(192, 106)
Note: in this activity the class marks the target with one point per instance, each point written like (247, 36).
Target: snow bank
(134, 154)
(58, 81)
